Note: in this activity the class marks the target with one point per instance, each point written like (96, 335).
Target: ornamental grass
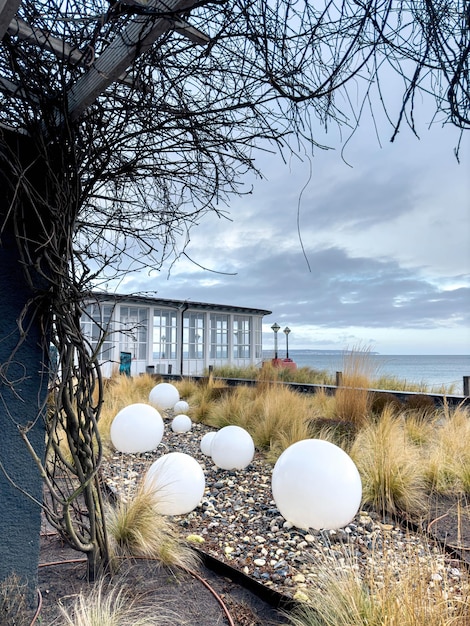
(377, 593)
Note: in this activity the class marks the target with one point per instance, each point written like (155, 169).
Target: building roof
(148, 300)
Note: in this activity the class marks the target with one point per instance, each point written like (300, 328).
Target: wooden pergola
(113, 64)
(20, 480)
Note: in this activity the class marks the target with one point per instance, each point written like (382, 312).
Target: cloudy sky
(383, 255)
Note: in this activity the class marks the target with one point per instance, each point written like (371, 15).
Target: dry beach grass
(413, 463)
(373, 561)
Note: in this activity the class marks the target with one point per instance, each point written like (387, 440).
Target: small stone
(195, 539)
(259, 562)
(298, 578)
(300, 596)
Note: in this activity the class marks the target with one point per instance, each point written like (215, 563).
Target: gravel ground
(238, 523)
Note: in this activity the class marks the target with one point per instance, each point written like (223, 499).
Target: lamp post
(287, 331)
(275, 327)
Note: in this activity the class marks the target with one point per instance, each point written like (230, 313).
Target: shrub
(420, 403)
(380, 400)
(339, 432)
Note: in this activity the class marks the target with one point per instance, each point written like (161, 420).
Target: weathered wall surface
(23, 389)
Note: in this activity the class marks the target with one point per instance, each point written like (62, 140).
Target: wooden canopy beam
(136, 38)
(8, 9)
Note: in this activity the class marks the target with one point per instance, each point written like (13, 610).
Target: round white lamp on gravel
(164, 396)
(181, 407)
(137, 428)
(181, 424)
(206, 443)
(177, 482)
(315, 484)
(232, 448)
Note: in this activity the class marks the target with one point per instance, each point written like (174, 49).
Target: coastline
(431, 371)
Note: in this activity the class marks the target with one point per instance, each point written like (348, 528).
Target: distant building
(144, 334)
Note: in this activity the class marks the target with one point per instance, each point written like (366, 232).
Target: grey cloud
(338, 292)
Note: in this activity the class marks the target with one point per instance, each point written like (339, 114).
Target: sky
(368, 246)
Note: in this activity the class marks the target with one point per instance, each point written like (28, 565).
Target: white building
(144, 334)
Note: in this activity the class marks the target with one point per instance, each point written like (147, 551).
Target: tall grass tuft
(390, 466)
(448, 459)
(137, 529)
(250, 372)
(353, 400)
(106, 605)
(416, 594)
(420, 428)
(234, 408)
(187, 387)
(204, 396)
(13, 601)
(304, 375)
(279, 418)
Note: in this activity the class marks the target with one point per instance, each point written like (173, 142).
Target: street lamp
(275, 327)
(287, 331)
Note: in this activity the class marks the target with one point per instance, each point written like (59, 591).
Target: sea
(431, 371)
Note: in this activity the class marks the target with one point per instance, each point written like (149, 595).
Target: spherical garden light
(181, 407)
(137, 428)
(181, 424)
(232, 448)
(315, 484)
(206, 443)
(177, 483)
(164, 396)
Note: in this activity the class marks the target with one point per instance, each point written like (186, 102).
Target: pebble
(238, 522)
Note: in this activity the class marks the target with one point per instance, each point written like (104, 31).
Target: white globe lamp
(137, 428)
(177, 483)
(315, 484)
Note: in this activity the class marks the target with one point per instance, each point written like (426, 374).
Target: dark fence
(403, 396)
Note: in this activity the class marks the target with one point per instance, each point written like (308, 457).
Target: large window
(258, 336)
(219, 336)
(164, 334)
(97, 328)
(134, 331)
(193, 335)
(241, 337)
